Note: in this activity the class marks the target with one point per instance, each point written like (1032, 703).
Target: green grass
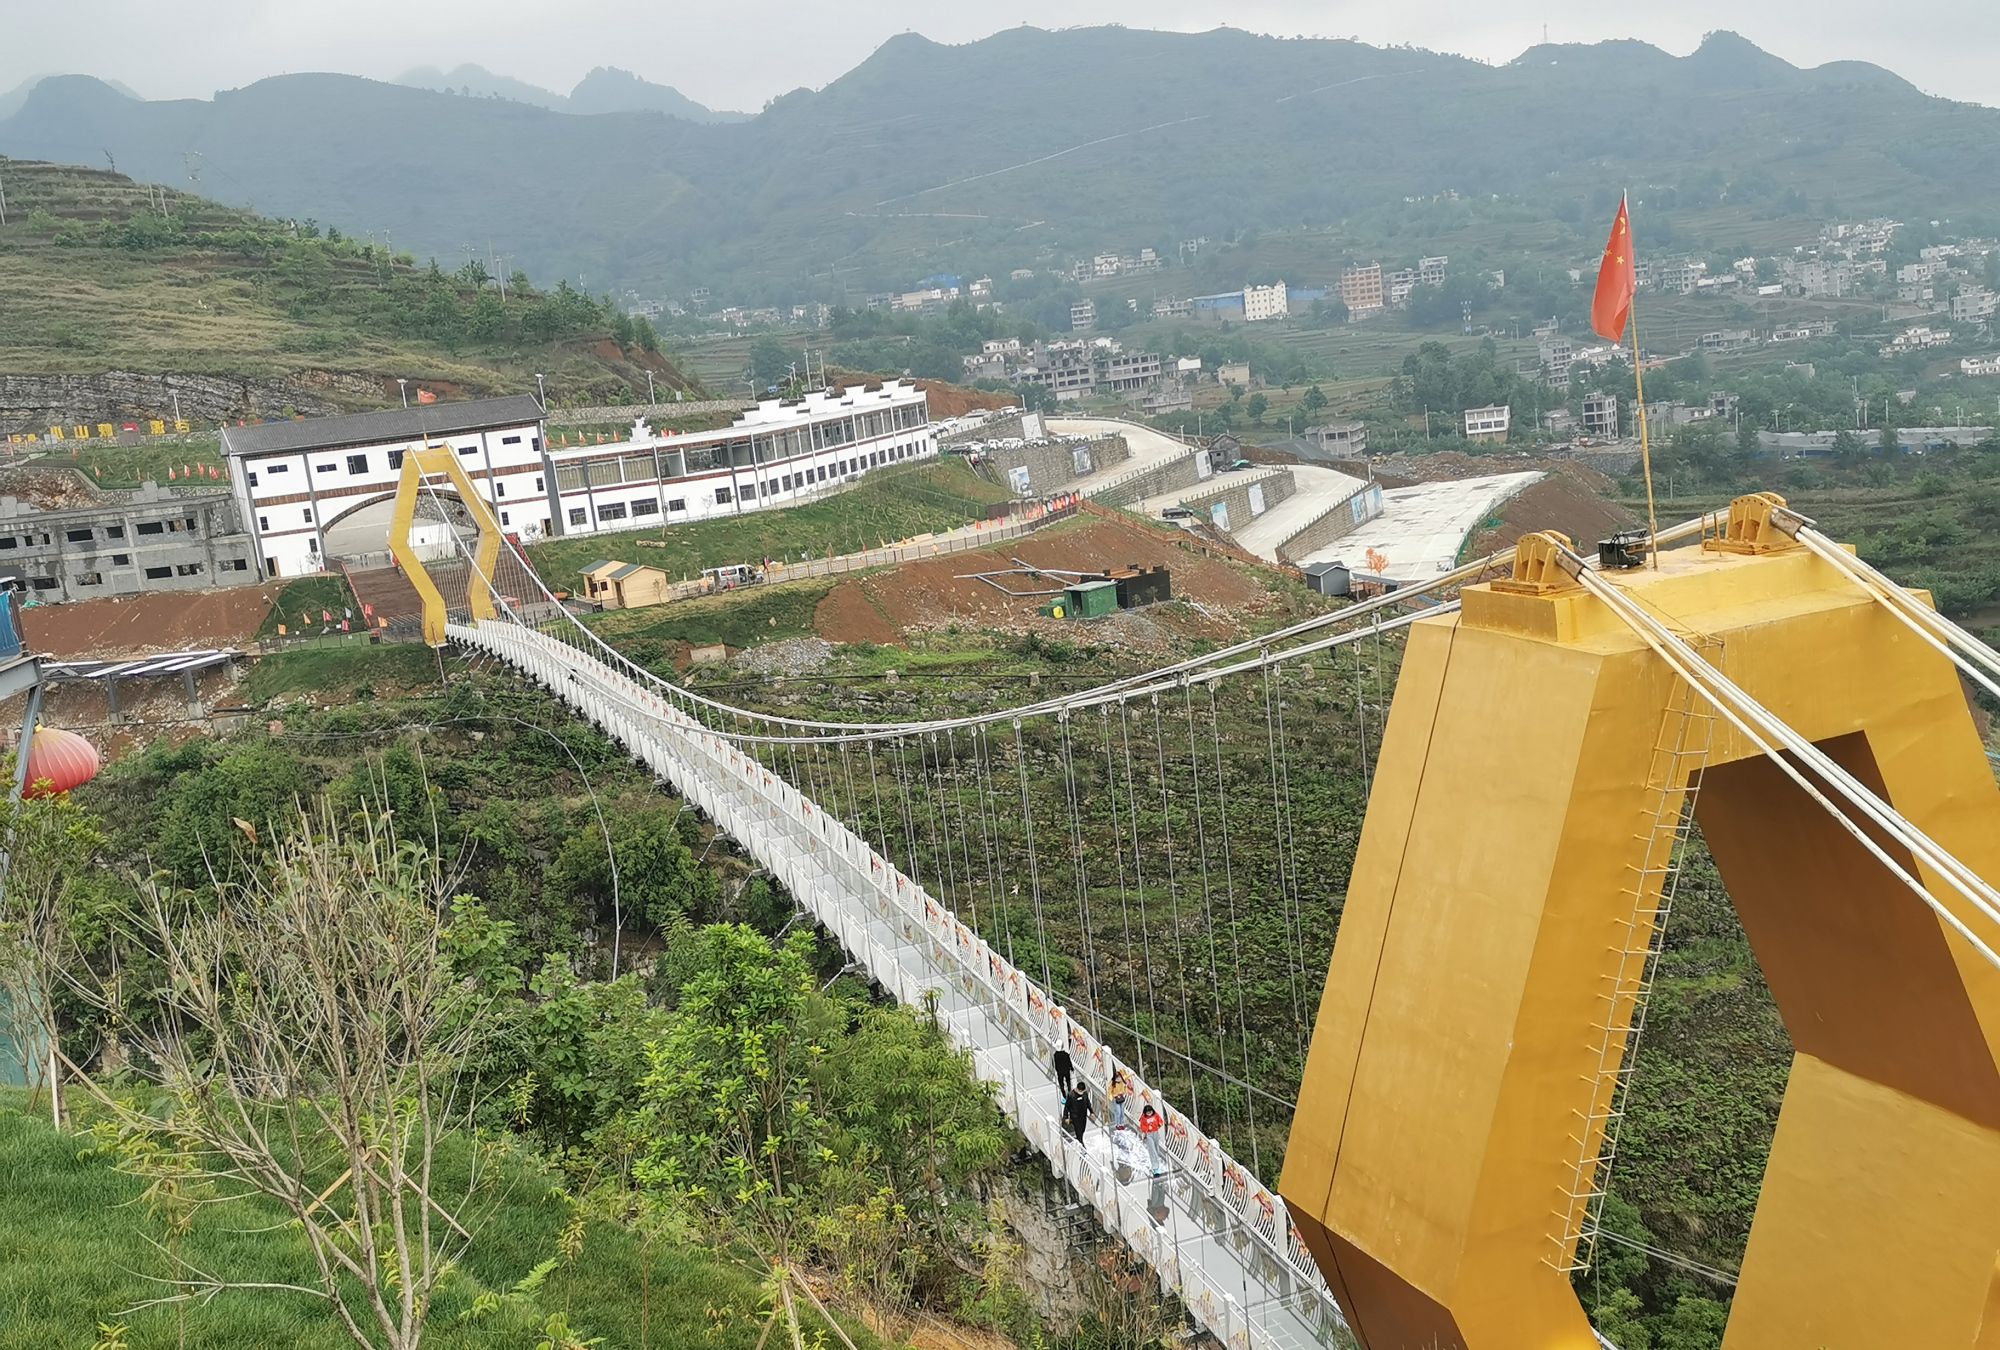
(74, 1253)
(127, 466)
(339, 670)
(311, 596)
(886, 506)
(763, 614)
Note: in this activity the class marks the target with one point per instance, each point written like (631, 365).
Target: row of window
(85, 534)
(724, 496)
(358, 463)
(158, 573)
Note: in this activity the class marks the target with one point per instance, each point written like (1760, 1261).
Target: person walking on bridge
(1149, 1130)
(1076, 1110)
(1060, 1060)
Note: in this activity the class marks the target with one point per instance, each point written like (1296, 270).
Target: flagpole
(1645, 443)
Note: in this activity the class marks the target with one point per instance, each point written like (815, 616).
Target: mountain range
(1043, 144)
(606, 89)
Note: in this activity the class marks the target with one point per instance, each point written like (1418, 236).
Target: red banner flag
(326, 616)
(426, 396)
(170, 473)
(1617, 279)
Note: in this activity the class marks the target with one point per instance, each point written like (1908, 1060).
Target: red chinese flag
(1617, 278)
(426, 396)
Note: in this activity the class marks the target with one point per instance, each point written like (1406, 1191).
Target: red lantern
(59, 760)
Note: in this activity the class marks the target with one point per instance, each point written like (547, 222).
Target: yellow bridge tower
(1493, 951)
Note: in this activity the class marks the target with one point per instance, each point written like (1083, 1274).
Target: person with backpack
(1149, 1130)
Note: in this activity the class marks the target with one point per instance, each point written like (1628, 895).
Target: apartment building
(1083, 316)
(1974, 304)
(1600, 416)
(149, 540)
(1265, 302)
(1361, 288)
(1430, 271)
(1489, 423)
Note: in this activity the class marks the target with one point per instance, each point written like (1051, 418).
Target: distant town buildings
(1915, 339)
(1430, 271)
(1082, 316)
(1980, 365)
(1974, 304)
(1553, 353)
(1265, 302)
(1488, 423)
(1361, 288)
(1600, 416)
(1070, 370)
(1168, 308)
(1347, 437)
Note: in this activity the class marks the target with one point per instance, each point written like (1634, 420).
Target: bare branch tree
(311, 1044)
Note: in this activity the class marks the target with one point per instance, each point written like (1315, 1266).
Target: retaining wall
(1342, 518)
(1051, 465)
(1234, 490)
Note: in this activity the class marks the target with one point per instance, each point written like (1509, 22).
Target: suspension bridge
(1431, 1019)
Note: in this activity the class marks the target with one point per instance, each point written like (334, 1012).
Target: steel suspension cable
(1124, 895)
(1207, 902)
(1139, 874)
(1080, 877)
(1235, 941)
(1174, 905)
(1034, 864)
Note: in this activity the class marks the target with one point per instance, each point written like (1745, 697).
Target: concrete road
(1422, 527)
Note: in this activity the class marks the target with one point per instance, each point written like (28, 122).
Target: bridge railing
(803, 845)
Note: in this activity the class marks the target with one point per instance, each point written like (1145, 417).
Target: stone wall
(1051, 465)
(34, 403)
(657, 415)
(1235, 491)
(1342, 518)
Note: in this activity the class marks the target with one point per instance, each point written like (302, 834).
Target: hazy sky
(739, 53)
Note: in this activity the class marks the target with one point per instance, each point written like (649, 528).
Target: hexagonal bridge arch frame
(418, 465)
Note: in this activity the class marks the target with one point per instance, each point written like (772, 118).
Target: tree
(1256, 406)
(770, 361)
(728, 1104)
(307, 1042)
(1314, 402)
(50, 842)
(1887, 442)
(1846, 446)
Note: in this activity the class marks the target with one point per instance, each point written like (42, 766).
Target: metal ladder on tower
(1673, 781)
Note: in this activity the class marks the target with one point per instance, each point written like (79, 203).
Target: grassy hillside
(75, 1251)
(100, 273)
(929, 155)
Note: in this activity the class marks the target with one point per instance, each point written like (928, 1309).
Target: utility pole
(3, 201)
(650, 400)
(404, 385)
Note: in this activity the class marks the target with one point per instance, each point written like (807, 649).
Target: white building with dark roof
(324, 488)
